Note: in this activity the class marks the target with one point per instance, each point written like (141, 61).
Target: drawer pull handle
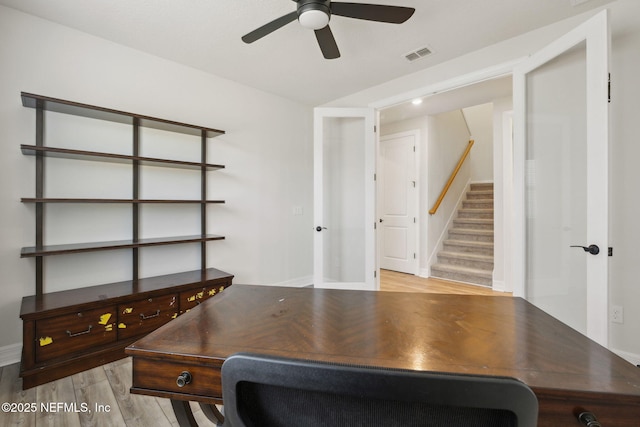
(143, 317)
(71, 335)
(183, 379)
(589, 420)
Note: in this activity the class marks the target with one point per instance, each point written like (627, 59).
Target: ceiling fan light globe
(313, 19)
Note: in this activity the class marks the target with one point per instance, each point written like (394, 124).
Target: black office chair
(261, 391)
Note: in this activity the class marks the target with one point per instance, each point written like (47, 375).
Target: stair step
(483, 248)
(466, 259)
(478, 204)
(480, 194)
(471, 235)
(473, 223)
(475, 213)
(462, 274)
(481, 186)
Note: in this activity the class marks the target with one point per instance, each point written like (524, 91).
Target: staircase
(467, 254)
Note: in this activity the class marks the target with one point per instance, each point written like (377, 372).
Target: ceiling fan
(315, 15)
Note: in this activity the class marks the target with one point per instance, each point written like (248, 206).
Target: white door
(561, 178)
(344, 199)
(397, 204)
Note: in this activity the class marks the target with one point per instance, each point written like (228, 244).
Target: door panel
(561, 176)
(397, 204)
(343, 199)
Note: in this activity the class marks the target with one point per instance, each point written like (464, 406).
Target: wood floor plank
(11, 392)
(51, 394)
(99, 395)
(88, 378)
(137, 410)
(401, 282)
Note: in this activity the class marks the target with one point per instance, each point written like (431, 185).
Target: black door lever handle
(592, 249)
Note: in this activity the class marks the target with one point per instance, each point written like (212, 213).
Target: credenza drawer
(193, 297)
(70, 333)
(143, 316)
(162, 377)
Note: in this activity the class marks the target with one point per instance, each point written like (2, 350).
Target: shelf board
(61, 301)
(69, 153)
(34, 251)
(100, 113)
(134, 201)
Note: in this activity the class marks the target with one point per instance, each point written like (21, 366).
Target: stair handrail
(435, 207)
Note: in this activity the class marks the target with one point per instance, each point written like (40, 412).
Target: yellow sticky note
(212, 292)
(127, 310)
(122, 326)
(45, 341)
(174, 315)
(191, 298)
(104, 318)
(200, 294)
(221, 288)
(109, 327)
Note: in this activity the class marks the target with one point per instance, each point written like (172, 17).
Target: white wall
(624, 150)
(448, 139)
(267, 152)
(480, 121)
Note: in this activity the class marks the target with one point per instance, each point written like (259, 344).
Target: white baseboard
(424, 273)
(299, 282)
(629, 357)
(10, 354)
(498, 286)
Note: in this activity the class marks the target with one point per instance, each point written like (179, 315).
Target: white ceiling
(205, 34)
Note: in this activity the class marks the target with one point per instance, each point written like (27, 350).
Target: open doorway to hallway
(442, 125)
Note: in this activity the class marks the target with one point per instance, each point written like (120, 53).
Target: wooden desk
(426, 332)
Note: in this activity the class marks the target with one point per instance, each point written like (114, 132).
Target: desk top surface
(484, 335)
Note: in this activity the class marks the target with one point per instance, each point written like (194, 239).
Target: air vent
(417, 54)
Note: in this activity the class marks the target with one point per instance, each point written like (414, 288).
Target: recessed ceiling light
(417, 101)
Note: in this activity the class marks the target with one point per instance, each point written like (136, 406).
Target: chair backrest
(261, 391)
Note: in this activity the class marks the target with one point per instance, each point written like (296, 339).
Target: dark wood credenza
(73, 330)
(483, 335)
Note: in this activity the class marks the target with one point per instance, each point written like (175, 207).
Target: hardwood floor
(402, 282)
(100, 396)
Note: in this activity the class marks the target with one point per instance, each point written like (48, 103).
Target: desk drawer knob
(589, 420)
(183, 379)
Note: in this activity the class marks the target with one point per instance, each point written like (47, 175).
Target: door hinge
(609, 89)
(610, 252)
(414, 219)
(375, 177)
(414, 148)
(375, 226)
(414, 255)
(375, 273)
(375, 129)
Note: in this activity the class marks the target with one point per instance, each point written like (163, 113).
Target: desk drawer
(160, 377)
(143, 316)
(70, 333)
(193, 297)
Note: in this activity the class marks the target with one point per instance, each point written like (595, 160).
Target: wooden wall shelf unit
(70, 331)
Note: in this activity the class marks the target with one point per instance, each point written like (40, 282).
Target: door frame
(416, 164)
(500, 70)
(595, 31)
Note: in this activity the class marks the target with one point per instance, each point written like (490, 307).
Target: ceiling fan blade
(372, 12)
(327, 43)
(270, 27)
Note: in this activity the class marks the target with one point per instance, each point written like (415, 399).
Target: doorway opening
(441, 126)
